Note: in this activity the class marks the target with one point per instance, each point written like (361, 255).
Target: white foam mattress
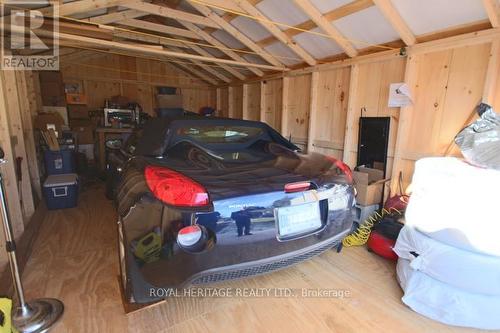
(457, 204)
(445, 303)
(466, 270)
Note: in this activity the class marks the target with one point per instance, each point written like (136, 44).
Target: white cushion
(457, 204)
(445, 303)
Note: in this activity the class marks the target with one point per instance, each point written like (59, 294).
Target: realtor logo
(29, 30)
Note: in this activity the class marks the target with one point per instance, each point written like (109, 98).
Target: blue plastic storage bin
(61, 191)
(59, 162)
(167, 90)
(169, 112)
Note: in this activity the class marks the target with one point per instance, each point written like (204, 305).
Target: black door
(373, 141)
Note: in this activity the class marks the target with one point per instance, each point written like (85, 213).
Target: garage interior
(310, 69)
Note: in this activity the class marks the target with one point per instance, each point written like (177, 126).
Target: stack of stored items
(369, 183)
(449, 250)
(60, 189)
(169, 102)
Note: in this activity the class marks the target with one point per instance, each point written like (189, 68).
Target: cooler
(61, 191)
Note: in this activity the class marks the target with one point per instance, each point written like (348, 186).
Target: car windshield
(215, 134)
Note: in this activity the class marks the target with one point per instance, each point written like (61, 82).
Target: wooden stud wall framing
(16, 141)
(272, 103)
(321, 110)
(137, 79)
(251, 101)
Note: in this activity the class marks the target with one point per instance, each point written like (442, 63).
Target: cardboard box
(84, 131)
(78, 112)
(169, 101)
(44, 119)
(76, 99)
(52, 88)
(369, 184)
(61, 110)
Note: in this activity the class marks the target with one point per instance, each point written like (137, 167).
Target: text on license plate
(298, 219)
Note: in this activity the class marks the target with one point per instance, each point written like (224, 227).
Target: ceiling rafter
(113, 17)
(204, 52)
(126, 17)
(161, 28)
(170, 13)
(65, 38)
(197, 73)
(190, 66)
(146, 25)
(159, 40)
(229, 69)
(397, 22)
(326, 26)
(177, 45)
(492, 8)
(277, 32)
(76, 7)
(236, 34)
(334, 14)
(207, 68)
(215, 42)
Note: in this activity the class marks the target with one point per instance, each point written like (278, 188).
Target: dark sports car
(202, 200)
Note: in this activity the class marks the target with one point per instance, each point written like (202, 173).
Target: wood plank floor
(75, 260)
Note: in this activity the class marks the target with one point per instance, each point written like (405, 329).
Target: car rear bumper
(266, 265)
(143, 291)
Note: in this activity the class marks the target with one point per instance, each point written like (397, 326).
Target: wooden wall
(235, 102)
(370, 99)
(297, 109)
(136, 78)
(251, 101)
(446, 86)
(328, 123)
(19, 102)
(223, 102)
(272, 102)
(320, 108)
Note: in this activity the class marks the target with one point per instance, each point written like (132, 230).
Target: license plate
(298, 219)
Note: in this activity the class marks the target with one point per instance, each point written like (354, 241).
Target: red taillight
(342, 166)
(174, 188)
(297, 187)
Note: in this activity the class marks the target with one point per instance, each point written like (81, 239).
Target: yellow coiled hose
(360, 236)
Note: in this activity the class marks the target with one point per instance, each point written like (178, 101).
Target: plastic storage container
(169, 112)
(167, 90)
(61, 191)
(59, 162)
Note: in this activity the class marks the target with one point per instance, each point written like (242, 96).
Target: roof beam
(492, 8)
(159, 40)
(236, 33)
(69, 40)
(277, 32)
(208, 68)
(215, 42)
(335, 14)
(163, 41)
(397, 22)
(196, 49)
(326, 26)
(229, 69)
(170, 13)
(165, 29)
(118, 16)
(76, 7)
